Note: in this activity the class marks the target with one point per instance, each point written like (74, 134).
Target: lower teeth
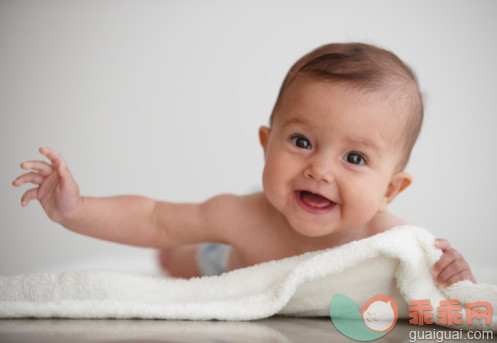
(315, 200)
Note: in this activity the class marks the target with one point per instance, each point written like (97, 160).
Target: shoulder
(222, 205)
(382, 222)
(227, 203)
(229, 214)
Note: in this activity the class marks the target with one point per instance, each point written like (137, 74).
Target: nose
(320, 170)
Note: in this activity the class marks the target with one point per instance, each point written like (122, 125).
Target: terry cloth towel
(396, 262)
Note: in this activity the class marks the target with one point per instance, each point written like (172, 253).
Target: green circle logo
(376, 319)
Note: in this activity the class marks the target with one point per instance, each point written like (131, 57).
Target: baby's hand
(451, 267)
(57, 191)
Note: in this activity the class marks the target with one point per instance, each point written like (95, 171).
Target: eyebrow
(367, 144)
(296, 120)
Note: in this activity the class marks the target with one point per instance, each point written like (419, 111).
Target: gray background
(164, 99)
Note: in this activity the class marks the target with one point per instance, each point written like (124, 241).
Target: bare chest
(265, 245)
(273, 244)
(262, 236)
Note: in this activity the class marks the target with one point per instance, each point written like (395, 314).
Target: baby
(340, 136)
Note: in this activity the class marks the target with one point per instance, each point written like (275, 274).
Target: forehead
(338, 109)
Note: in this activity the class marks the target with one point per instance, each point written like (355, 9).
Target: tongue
(314, 200)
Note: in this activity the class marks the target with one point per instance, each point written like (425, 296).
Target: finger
(59, 164)
(53, 156)
(49, 183)
(29, 195)
(40, 166)
(35, 178)
(63, 169)
(442, 244)
(452, 269)
(461, 276)
(446, 259)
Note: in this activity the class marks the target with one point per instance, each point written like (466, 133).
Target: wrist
(70, 220)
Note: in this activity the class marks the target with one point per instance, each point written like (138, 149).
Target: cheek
(362, 196)
(272, 173)
(273, 184)
(279, 169)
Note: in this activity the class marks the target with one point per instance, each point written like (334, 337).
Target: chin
(310, 229)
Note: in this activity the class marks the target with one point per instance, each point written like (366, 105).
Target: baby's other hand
(57, 191)
(451, 267)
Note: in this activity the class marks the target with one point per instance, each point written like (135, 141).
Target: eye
(354, 158)
(300, 142)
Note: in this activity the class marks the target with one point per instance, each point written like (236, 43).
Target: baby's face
(331, 157)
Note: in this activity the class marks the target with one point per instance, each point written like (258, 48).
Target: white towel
(396, 262)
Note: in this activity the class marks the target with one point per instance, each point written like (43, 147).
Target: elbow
(158, 236)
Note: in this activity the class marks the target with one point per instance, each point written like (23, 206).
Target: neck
(331, 240)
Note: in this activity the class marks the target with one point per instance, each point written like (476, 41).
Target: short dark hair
(367, 67)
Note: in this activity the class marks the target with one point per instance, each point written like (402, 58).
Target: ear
(264, 132)
(398, 183)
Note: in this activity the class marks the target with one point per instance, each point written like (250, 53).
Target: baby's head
(341, 132)
(368, 69)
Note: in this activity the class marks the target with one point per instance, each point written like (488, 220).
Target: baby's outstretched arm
(451, 267)
(133, 220)
(122, 219)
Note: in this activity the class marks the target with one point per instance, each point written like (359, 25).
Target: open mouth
(313, 202)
